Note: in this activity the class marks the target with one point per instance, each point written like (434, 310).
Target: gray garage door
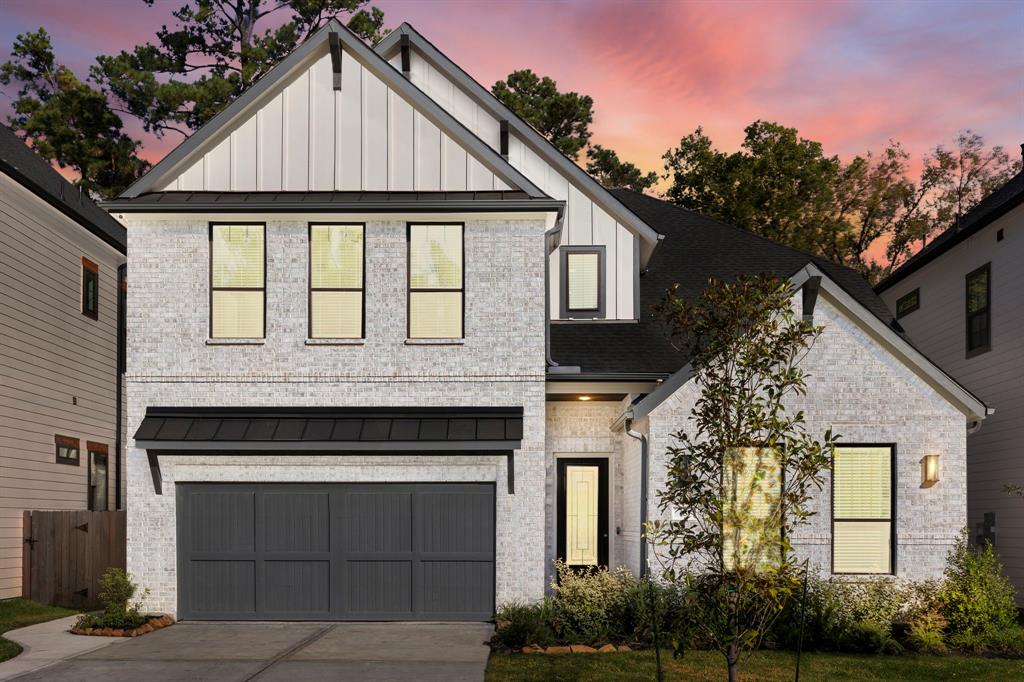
(336, 551)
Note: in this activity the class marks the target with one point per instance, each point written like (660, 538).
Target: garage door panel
(222, 521)
(379, 588)
(293, 588)
(456, 523)
(377, 521)
(222, 589)
(457, 587)
(295, 521)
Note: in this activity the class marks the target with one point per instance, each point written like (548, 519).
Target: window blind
(752, 480)
(336, 281)
(583, 285)
(435, 281)
(862, 509)
(237, 281)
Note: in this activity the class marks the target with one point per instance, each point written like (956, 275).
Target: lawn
(763, 666)
(17, 613)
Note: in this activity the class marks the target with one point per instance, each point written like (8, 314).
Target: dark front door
(583, 512)
(336, 551)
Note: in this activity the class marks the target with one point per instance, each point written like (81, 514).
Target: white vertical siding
(401, 144)
(296, 134)
(321, 125)
(349, 150)
(270, 127)
(244, 157)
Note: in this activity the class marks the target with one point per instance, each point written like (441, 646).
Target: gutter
(366, 206)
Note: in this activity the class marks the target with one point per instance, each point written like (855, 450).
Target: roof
(527, 133)
(996, 204)
(243, 105)
(33, 172)
(360, 202)
(694, 249)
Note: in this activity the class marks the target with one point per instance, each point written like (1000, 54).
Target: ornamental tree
(743, 468)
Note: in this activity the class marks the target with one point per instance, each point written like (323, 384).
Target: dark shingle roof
(33, 172)
(1004, 199)
(694, 249)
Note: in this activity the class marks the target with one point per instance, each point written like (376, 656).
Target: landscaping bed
(19, 613)
(151, 623)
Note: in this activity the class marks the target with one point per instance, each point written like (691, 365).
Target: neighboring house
(61, 273)
(391, 354)
(961, 301)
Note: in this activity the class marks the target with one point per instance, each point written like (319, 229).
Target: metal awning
(330, 430)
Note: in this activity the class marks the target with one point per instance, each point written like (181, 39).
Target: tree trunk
(732, 659)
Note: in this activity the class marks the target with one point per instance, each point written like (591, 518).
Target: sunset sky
(850, 74)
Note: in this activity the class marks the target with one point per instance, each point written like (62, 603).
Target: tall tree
(604, 165)
(215, 52)
(564, 118)
(67, 121)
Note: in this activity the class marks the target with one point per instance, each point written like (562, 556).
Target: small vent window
(908, 304)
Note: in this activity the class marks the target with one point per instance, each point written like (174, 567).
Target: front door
(583, 512)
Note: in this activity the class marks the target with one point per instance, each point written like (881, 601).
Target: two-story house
(391, 354)
(959, 300)
(62, 261)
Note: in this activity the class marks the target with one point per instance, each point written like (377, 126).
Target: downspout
(549, 237)
(644, 468)
(122, 299)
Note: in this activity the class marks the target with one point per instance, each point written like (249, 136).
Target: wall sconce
(929, 470)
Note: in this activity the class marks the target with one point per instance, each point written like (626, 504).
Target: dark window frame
(309, 278)
(67, 443)
(987, 312)
(568, 313)
(916, 293)
(408, 279)
(892, 508)
(97, 450)
(263, 289)
(90, 271)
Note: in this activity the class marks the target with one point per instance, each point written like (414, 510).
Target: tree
(604, 165)
(216, 52)
(564, 118)
(66, 121)
(731, 509)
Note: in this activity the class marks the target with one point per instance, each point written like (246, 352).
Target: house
(390, 355)
(959, 300)
(62, 267)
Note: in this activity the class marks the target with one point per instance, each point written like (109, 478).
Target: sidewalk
(48, 643)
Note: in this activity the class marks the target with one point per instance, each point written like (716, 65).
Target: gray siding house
(391, 354)
(61, 272)
(960, 301)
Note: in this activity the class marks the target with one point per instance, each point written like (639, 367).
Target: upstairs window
(436, 293)
(90, 289)
(336, 281)
(582, 282)
(862, 509)
(979, 318)
(237, 281)
(908, 303)
(67, 450)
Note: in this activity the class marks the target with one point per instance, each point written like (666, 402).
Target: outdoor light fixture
(929, 470)
(584, 397)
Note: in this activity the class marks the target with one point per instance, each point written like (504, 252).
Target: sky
(852, 75)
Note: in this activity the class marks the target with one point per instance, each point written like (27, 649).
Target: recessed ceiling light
(584, 397)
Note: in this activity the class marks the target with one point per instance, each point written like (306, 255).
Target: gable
(293, 131)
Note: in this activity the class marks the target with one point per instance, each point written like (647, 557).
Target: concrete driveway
(287, 652)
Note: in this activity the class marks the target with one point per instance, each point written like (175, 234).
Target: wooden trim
(101, 448)
(89, 265)
(67, 441)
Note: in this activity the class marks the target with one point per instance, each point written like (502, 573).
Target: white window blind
(583, 287)
(752, 480)
(862, 509)
(435, 281)
(237, 281)
(336, 281)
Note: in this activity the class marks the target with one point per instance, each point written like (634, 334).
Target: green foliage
(216, 51)
(926, 634)
(587, 603)
(523, 624)
(66, 121)
(116, 592)
(564, 118)
(976, 597)
(604, 165)
(870, 637)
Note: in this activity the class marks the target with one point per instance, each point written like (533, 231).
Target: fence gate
(66, 552)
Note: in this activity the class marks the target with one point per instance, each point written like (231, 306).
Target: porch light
(583, 398)
(929, 470)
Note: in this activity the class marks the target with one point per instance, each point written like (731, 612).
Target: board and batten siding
(585, 223)
(938, 328)
(50, 354)
(308, 137)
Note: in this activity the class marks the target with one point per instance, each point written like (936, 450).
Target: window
(979, 318)
(752, 530)
(908, 304)
(862, 509)
(336, 257)
(237, 281)
(582, 281)
(436, 304)
(97, 475)
(67, 450)
(90, 289)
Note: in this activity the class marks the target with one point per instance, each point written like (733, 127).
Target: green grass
(17, 613)
(763, 666)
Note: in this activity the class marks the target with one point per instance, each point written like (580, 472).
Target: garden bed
(152, 623)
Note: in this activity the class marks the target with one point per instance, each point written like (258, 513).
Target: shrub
(523, 624)
(116, 592)
(926, 633)
(976, 597)
(870, 637)
(588, 604)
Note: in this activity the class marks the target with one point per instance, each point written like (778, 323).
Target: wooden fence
(65, 552)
